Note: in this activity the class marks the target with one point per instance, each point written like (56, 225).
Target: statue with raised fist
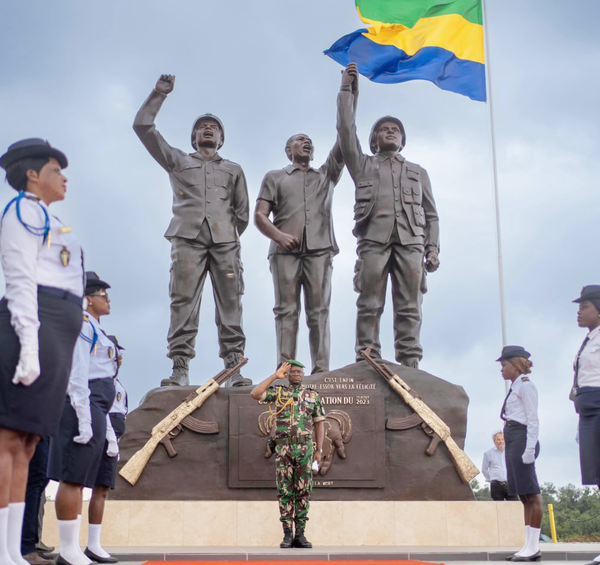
(397, 228)
(210, 212)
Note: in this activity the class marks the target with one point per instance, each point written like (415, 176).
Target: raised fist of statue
(165, 84)
(350, 76)
(432, 262)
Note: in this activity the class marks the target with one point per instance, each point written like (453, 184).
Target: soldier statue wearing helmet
(210, 213)
(397, 228)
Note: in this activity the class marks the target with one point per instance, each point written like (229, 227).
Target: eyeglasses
(101, 293)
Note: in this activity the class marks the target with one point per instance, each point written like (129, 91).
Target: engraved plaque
(355, 427)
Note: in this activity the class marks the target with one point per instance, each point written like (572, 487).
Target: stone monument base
(233, 523)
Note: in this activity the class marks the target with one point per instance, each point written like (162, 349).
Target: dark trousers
(191, 261)
(499, 491)
(312, 273)
(36, 483)
(404, 265)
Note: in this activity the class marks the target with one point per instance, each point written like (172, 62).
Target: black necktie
(575, 384)
(504, 405)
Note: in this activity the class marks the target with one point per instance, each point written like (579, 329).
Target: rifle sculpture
(464, 466)
(132, 470)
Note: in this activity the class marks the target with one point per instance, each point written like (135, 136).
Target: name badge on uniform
(111, 352)
(119, 396)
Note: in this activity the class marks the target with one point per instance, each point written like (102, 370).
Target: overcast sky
(75, 73)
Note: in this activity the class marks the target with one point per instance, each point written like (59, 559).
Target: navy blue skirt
(75, 462)
(107, 473)
(587, 404)
(522, 478)
(37, 408)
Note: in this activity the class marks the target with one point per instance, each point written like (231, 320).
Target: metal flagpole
(488, 73)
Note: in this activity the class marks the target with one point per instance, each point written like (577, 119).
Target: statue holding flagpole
(397, 228)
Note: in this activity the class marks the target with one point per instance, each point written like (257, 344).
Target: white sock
(94, 541)
(16, 511)
(83, 555)
(597, 559)
(527, 534)
(70, 551)
(533, 545)
(5, 558)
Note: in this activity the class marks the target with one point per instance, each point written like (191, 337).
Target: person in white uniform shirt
(494, 469)
(107, 473)
(40, 319)
(76, 452)
(521, 431)
(586, 387)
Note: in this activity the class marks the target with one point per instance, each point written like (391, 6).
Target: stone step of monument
(572, 552)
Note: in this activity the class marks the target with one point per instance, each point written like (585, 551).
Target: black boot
(300, 541)
(287, 538)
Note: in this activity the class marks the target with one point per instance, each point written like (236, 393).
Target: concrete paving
(578, 553)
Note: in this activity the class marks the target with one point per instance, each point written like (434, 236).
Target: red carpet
(290, 562)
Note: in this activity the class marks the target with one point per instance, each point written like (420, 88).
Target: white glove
(315, 467)
(528, 456)
(85, 432)
(113, 448)
(28, 368)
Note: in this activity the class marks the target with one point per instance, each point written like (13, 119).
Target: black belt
(59, 293)
(294, 440)
(513, 423)
(117, 415)
(494, 482)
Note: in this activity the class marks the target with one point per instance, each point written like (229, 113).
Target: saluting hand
(28, 368)
(282, 372)
(165, 84)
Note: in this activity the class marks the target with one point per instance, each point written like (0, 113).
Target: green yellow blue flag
(436, 40)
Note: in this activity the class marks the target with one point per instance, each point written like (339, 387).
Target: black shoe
(300, 541)
(287, 538)
(60, 560)
(535, 557)
(510, 557)
(97, 558)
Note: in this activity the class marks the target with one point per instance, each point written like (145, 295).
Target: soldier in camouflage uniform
(296, 409)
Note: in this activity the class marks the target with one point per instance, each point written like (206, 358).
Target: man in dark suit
(210, 212)
(396, 226)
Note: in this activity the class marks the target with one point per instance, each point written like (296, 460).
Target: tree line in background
(576, 510)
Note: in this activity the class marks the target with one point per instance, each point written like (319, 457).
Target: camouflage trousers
(294, 482)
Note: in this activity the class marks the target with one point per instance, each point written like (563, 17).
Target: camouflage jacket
(295, 409)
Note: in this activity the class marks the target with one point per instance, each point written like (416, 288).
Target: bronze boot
(300, 541)
(180, 373)
(236, 379)
(287, 538)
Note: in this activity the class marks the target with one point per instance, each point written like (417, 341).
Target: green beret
(295, 363)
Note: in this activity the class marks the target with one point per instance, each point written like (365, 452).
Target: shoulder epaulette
(86, 318)
(525, 379)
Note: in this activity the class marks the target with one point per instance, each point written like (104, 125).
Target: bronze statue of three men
(396, 225)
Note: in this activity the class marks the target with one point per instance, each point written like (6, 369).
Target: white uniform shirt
(522, 407)
(589, 361)
(494, 465)
(120, 405)
(90, 363)
(28, 262)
